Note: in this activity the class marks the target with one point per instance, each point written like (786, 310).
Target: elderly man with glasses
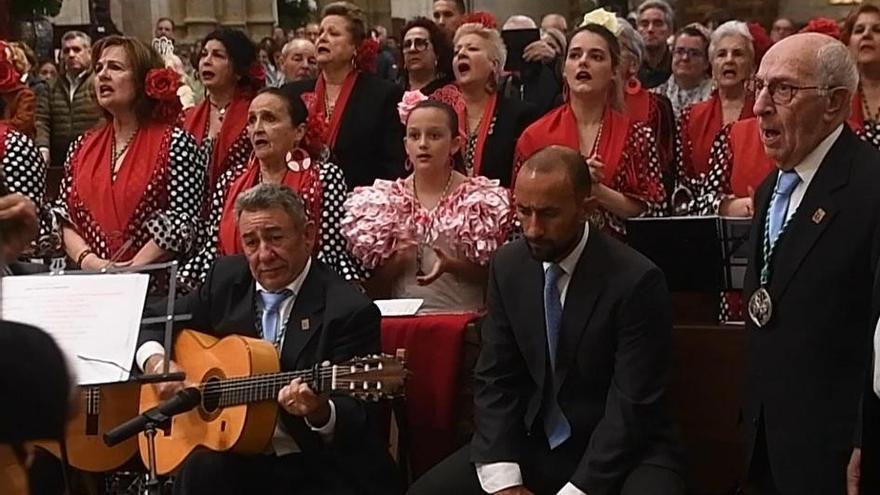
(814, 247)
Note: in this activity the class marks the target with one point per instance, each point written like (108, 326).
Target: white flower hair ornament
(603, 18)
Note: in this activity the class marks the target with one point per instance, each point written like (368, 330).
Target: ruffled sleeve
(476, 219)
(176, 228)
(377, 219)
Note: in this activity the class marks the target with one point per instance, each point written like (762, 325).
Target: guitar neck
(259, 388)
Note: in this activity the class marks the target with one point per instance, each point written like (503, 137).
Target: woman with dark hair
(229, 70)
(132, 187)
(621, 152)
(429, 236)
(358, 109)
(286, 151)
(268, 52)
(861, 32)
(427, 56)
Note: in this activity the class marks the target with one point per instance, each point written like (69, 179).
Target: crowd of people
(450, 166)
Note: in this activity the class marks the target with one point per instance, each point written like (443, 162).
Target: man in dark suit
(322, 445)
(813, 253)
(868, 474)
(570, 382)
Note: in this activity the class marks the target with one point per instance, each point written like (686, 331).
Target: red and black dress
(628, 149)
(868, 129)
(655, 110)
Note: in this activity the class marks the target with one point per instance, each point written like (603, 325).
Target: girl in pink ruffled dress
(430, 235)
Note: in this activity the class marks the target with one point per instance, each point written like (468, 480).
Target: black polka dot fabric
(870, 133)
(23, 168)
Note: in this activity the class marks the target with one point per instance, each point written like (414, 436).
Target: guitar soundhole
(211, 395)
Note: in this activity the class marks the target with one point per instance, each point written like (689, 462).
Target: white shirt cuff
(497, 476)
(145, 351)
(876, 361)
(326, 431)
(570, 489)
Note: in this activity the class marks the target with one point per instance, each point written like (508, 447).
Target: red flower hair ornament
(485, 18)
(822, 25)
(367, 55)
(162, 85)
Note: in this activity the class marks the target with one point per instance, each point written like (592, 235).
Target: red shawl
(704, 121)
(856, 119)
(316, 102)
(112, 203)
(560, 127)
(482, 132)
(306, 182)
(750, 163)
(234, 124)
(638, 103)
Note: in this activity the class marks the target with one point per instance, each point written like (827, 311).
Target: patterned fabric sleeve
(193, 271)
(716, 187)
(377, 219)
(477, 220)
(23, 168)
(638, 175)
(176, 228)
(54, 215)
(333, 251)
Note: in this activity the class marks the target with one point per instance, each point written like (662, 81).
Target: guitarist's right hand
(153, 366)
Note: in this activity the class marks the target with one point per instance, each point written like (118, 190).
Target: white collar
(808, 167)
(297, 283)
(569, 263)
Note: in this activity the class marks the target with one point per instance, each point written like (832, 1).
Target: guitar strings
(243, 384)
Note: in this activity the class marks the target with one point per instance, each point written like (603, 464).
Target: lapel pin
(818, 216)
(304, 324)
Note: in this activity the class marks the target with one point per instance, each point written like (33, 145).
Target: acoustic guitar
(100, 409)
(239, 381)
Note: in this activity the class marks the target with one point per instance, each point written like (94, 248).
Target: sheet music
(95, 319)
(399, 307)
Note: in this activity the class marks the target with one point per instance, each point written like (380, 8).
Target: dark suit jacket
(22, 268)
(343, 324)
(511, 119)
(613, 359)
(806, 369)
(870, 417)
(370, 141)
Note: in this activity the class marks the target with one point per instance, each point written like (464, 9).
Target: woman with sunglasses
(732, 54)
(427, 57)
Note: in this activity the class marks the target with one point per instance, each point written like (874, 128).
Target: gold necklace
(420, 251)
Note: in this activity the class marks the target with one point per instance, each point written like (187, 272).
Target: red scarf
(560, 127)
(112, 204)
(750, 163)
(305, 182)
(856, 118)
(318, 105)
(706, 120)
(234, 123)
(482, 132)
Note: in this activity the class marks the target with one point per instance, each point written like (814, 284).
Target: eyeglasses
(681, 51)
(416, 44)
(782, 93)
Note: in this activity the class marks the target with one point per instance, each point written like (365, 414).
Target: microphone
(182, 402)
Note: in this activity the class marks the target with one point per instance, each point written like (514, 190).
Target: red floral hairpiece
(367, 56)
(316, 135)
(822, 25)
(257, 75)
(760, 41)
(162, 85)
(481, 17)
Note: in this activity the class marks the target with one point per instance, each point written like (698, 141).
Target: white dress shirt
(807, 169)
(875, 363)
(497, 476)
(282, 442)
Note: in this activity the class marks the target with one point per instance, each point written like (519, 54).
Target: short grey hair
(266, 196)
(661, 5)
(290, 45)
(836, 67)
(519, 22)
(497, 51)
(630, 40)
(70, 35)
(732, 28)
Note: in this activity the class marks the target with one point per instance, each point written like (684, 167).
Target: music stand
(152, 483)
(702, 256)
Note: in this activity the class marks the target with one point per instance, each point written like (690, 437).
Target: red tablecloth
(433, 346)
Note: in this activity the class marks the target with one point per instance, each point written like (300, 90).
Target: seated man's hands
(166, 390)
(18, 224)
(299, 400)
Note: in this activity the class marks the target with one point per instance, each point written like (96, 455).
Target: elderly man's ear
(838, 100)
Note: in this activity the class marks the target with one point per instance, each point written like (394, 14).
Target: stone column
(200, 18)
(261, 18)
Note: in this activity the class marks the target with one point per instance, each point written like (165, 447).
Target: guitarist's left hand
(299, 400)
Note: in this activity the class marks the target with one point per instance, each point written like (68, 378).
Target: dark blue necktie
(556, 426)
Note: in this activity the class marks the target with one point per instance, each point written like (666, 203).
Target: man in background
(299, 60)
(656, 21)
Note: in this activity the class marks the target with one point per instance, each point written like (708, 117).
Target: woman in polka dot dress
(131, 194)
(23, 169)
(278, 131)
(229, 69)
(861, 32)
(621, 153)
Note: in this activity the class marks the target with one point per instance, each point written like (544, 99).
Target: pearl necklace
(421, 249)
